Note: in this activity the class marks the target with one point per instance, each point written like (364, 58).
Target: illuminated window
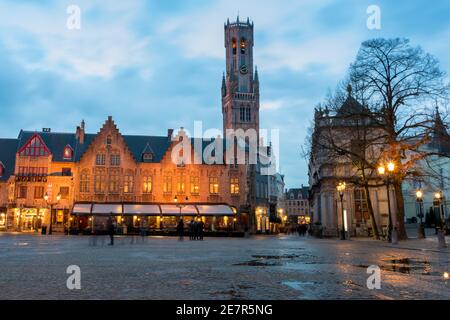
(128, 183)
(195, 185)
(234, 186)
(234, 45)
(68, 152)
(214, 185)
(242, 46)
(180, 184)
(167, 186)
(147, 186)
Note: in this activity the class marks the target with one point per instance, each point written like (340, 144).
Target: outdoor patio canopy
(137, 209)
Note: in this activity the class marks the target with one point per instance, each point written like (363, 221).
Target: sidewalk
(430, 243)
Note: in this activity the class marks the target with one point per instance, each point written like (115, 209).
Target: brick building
(78, 179)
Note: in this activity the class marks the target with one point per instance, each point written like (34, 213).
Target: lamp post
(388, 177)
(419, 200)
(440, 229)
(341, 189)
(51, 204)
(180, 205)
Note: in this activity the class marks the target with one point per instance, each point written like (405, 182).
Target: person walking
(200, 229)
(143, 231)
(191, 229)
(195, 231)
(111, 230)
(180, 230)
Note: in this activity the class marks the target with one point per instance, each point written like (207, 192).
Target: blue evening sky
(154, 65)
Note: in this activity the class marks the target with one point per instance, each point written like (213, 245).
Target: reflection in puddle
(406, 266)
(256, 263)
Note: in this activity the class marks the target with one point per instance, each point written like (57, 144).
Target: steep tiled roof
(304, 192)
(8, 149)
(137, 145)
(56, 142)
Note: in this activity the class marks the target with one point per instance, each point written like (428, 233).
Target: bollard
(394, 238)
(421, 231)
(441, 239)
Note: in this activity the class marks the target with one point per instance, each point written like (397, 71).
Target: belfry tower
(240, 84)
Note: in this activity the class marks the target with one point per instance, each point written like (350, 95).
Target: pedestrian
(191, 229)
(143, 231)
(180, 230)
(195, 229)
(200, 229)
(111, 230)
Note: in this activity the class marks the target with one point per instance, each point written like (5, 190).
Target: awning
(82, 208)
(141, 209)
(171, 209)
(215, 210)
(107, 209)
(152, 209)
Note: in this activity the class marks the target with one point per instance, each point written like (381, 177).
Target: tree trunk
(400, 214)
(376, 234)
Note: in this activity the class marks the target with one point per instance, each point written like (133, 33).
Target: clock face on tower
(244, 69)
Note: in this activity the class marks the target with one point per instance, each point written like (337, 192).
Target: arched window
(243, 44)
(234, 45)
(147, 184)
(108, 140)
(67, 152)
(128, 183)
(99, 181)
(114, 181)
(84, 181)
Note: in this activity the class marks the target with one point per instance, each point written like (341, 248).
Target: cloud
(98, 49)
(154, 65)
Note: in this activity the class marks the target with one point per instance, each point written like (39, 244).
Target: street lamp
(180, 205)
(341, 189)
(51, 204)
(388, 177)
(438, 203)
(419, 200)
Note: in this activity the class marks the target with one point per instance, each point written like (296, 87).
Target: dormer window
(68, 152)
(147, 157)
(2, 169)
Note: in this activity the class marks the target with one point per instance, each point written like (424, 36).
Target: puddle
(267, 260)
(299, 285)
(406, 266)
(256, 263)
(270, 257)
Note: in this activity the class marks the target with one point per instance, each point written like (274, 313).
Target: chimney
(169, 134)
(80, 133)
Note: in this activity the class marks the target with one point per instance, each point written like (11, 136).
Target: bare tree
(399, 82)
(350, 140)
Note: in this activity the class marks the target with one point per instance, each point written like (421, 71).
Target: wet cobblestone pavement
(261, 267)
